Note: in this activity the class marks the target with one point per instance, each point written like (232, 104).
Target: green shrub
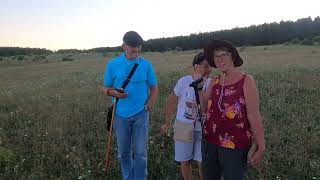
(67, 58)
(307, 42)
(20, 58)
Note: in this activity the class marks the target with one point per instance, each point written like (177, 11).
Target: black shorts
(220, 161)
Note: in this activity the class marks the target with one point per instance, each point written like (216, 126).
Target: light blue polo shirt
(138, 88)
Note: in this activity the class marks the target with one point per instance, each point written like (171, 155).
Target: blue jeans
(132, 140)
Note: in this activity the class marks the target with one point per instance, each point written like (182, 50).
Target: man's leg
(140, 144)
(122, 129)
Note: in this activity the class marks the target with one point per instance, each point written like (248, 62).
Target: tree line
(305, 31)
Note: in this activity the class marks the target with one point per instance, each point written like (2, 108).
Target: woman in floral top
(233, 117)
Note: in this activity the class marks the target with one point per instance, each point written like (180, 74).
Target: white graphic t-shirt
(187, 105)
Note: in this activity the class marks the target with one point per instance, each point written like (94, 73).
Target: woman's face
(223, 60)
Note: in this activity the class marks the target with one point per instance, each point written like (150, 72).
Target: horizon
(82, 25)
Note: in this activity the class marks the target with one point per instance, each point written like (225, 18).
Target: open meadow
(52, 120)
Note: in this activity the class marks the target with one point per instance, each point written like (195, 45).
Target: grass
(52, 121)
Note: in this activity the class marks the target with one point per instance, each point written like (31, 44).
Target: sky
(85, 24)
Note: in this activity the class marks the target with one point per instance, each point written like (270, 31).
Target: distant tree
(264, 34)
(68, 51)
(14, 51)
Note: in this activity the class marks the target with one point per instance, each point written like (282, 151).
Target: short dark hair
(132, 38)
(198, 58)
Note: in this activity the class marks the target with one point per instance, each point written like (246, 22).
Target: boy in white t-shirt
(187, 150)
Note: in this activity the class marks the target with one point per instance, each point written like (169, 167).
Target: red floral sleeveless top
(228, 126)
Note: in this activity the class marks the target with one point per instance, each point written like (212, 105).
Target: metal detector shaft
(196, 91)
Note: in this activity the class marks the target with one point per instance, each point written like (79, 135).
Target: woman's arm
(251, 96)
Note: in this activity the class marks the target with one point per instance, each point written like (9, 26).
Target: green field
(52, 122)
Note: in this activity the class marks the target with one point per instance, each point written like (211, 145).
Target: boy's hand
(165, 128)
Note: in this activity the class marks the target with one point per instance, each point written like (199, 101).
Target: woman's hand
(257, 159)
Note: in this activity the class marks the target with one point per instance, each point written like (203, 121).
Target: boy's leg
(186, 170)
(197, 156)
(184, 155)
(200, 170)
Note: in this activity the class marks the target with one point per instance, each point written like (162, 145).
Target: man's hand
(121, 95)
(116, 93)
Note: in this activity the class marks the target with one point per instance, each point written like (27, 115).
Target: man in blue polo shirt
(132, 113)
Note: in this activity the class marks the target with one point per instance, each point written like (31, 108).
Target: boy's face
(207, 69)
(203, 68)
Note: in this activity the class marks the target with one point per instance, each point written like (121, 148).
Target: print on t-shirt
(191, 106)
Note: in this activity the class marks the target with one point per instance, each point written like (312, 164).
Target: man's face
(131, 52)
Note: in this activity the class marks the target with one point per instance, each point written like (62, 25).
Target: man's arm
(152, 82)
(152, 97)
